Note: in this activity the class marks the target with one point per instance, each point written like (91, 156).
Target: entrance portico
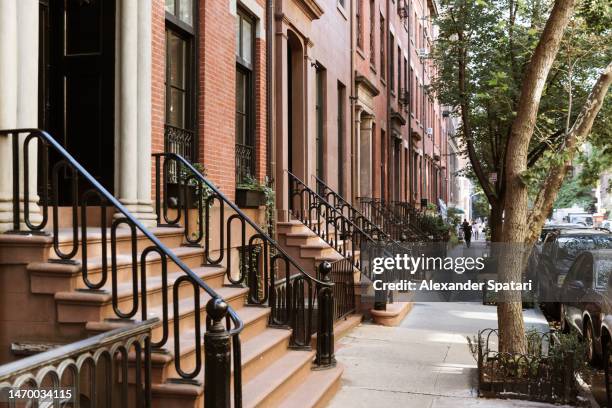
(130, 120)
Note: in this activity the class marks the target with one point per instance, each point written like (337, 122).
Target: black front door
(80, 85)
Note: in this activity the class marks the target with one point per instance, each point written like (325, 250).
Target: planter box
(250, 198)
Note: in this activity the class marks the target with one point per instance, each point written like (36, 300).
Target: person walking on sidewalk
(475, 230)
(467, 232)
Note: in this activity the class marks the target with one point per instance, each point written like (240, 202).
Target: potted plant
(250, 193)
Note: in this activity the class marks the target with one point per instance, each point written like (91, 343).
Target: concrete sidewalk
(423, 363)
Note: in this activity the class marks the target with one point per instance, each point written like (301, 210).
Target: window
(412, 82)
(399, 71)
(391, 63)
(183, 10)
(320, 118)
(382, 47)
(341, 135)
(358, 19)
(372, 34)
(180, 80)
(406, 83)
(245, 100)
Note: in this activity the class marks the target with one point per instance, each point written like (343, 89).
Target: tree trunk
(496, 221)
(510, 313)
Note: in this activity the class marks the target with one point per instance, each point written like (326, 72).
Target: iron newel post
(217, 361)
(325, 320)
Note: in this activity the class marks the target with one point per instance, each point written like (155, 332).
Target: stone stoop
(53, 306)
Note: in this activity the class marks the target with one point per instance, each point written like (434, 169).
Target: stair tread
(95, 233)
(124, 289)
(250, 349)
(255, 391)
(311, 391)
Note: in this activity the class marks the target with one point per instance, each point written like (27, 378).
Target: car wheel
(591, 354)
(563, 326)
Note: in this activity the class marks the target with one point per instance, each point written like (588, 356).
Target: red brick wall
(158, 69)
(217, 93)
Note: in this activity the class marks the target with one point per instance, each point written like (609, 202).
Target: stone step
(170, 237)
(277, 381)
(83, 306)
(258, 351)
(316, 390)
(52, 277)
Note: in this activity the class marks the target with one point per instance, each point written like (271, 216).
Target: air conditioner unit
(429, 131)
(423, 53)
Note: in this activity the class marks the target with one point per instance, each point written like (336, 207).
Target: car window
(572, 275)
(603, 268)
(586, 272)
(570, 247)
(603, 241)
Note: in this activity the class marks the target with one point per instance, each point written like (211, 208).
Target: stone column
(281, 123)
(356, 153)
(365, 156)
(133, 139)
(8, 104)
(145, 207)
(27, 93)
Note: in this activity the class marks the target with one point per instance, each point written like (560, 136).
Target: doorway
(77, 71)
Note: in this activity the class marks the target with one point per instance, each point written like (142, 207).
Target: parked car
(607, 224)
(586, 300)
(557, 255)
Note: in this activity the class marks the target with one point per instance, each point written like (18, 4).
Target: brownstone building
(135, 139)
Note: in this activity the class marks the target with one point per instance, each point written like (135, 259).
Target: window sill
(373, 69)
(361, 53)
(383, 82)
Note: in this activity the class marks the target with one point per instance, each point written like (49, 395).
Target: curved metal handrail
(260, 232)
(338, 198)
(110, 199)
(75, 170)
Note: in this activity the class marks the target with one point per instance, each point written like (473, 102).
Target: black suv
(560, 249)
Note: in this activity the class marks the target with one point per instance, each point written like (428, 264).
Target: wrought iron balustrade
(291, 293)
(343, 276)
(68, 170)
(349, 211)
(108, 370)
(329, 223)
(245, 163)
(180, 141)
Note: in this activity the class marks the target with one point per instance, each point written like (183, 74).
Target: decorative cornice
(311, 8)
(395, 115)
(367, 84)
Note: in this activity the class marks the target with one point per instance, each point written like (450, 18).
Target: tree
(504, 68)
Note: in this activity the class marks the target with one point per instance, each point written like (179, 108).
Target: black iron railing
(381, 245)
(330, 224)
(349, 211)
(180, 141)
(545, 373)
(343, 276)
(245, 163)
(387, 216)
(272, 276)
(97, 195)
(67, 374)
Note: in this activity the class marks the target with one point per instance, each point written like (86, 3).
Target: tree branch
(576, 136)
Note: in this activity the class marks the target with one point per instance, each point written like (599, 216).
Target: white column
(145, 208)
(27, 91)
(8, 104)
(127, 137)
(365, 156)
